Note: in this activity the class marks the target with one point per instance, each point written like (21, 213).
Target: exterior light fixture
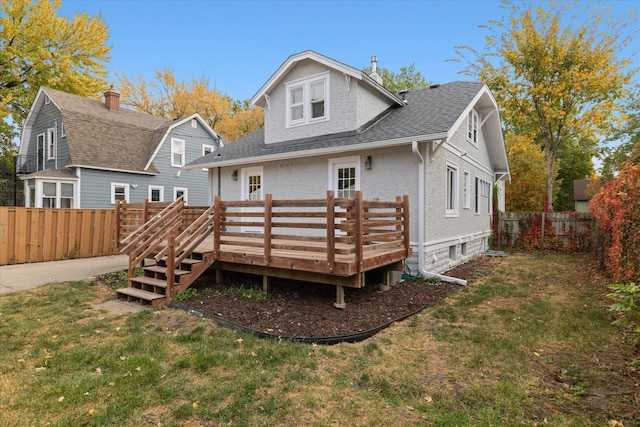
(368, 162)
(234, 175)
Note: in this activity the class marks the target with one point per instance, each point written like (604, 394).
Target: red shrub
(616, 208)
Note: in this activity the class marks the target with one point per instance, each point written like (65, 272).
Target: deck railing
(331, 235)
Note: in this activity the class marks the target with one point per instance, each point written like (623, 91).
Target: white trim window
(156, 193)
(62, 132)
(177, 152)
(119, 192)
(49, 194)
(207, 149)
(483, 190)
(452, 190)
(194, 123)
(51, 143)
(181, 192)
(466, 190)
(344, 176)
(308, 100)
(472, 127)
(41, 152)
(57, 194)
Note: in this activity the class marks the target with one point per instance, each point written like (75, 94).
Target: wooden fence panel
(43, 234)
(568, 231)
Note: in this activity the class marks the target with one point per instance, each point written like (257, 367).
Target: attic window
(47, 100)
(472, 127)
(307, 100)
(177, 152)
(194, 123)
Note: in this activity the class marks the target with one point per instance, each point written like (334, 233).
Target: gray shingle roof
(97, 137)
(427, 112)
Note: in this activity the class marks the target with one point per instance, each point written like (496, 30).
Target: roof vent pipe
(374, 70)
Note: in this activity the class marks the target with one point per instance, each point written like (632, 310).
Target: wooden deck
(331, 240)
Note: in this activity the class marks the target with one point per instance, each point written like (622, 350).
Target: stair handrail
(192, 236)
(148, 227)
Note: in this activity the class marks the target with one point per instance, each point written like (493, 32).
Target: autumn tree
(573, 163)
(525, 192)
(626, 139)
(558, 80)
(407, 79)
(38, 48)
(165, 96)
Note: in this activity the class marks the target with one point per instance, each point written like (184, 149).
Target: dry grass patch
(528, 342)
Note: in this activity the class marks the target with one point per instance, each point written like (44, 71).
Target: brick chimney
(112, 100)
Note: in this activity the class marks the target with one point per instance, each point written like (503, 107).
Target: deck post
(387, 281)
(331, 226)
(171, 267)
(357, 207)
(265, 284)
(339, 298)
(268, 207)
(407, 233)
(216, 227)
(145, 211)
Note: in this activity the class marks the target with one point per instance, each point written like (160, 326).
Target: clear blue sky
(239, 44)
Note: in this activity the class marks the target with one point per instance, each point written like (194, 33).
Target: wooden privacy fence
(45, 234)
(566, 231)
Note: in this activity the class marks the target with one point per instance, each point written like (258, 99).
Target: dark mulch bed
(301, 309)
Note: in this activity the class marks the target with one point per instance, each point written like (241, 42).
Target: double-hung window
(156, 193)
(452, 190)
(119, 192)
(51, 143)
(472, 127)
(307, 100)
(57, 194)
(483, 190)
(466, 190)
(177, 152)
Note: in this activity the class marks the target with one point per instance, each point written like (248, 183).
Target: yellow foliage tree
(38, 48)
(165, 96)
(526, 191)
(559, 80)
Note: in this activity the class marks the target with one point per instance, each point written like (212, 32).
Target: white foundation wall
(443, 256)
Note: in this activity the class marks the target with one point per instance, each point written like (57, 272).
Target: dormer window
(307, 100)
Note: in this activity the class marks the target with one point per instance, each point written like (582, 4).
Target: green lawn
(530, 343)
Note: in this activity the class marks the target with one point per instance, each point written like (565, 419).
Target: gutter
(421, 214)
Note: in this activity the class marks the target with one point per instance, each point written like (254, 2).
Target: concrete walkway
(19, 277)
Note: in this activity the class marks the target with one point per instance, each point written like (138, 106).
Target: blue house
(77, 152)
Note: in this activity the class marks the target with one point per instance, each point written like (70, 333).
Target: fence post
(117, 233)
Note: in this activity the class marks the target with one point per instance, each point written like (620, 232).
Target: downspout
(219, 183)
(421, 213)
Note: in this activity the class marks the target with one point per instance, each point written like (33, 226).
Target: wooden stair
(178, 262)
(151, 288)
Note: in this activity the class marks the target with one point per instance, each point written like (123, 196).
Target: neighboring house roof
(51, 173)
(429, 114)
(123, 140)
(580, 190)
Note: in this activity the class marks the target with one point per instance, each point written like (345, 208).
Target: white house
(329, 126)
